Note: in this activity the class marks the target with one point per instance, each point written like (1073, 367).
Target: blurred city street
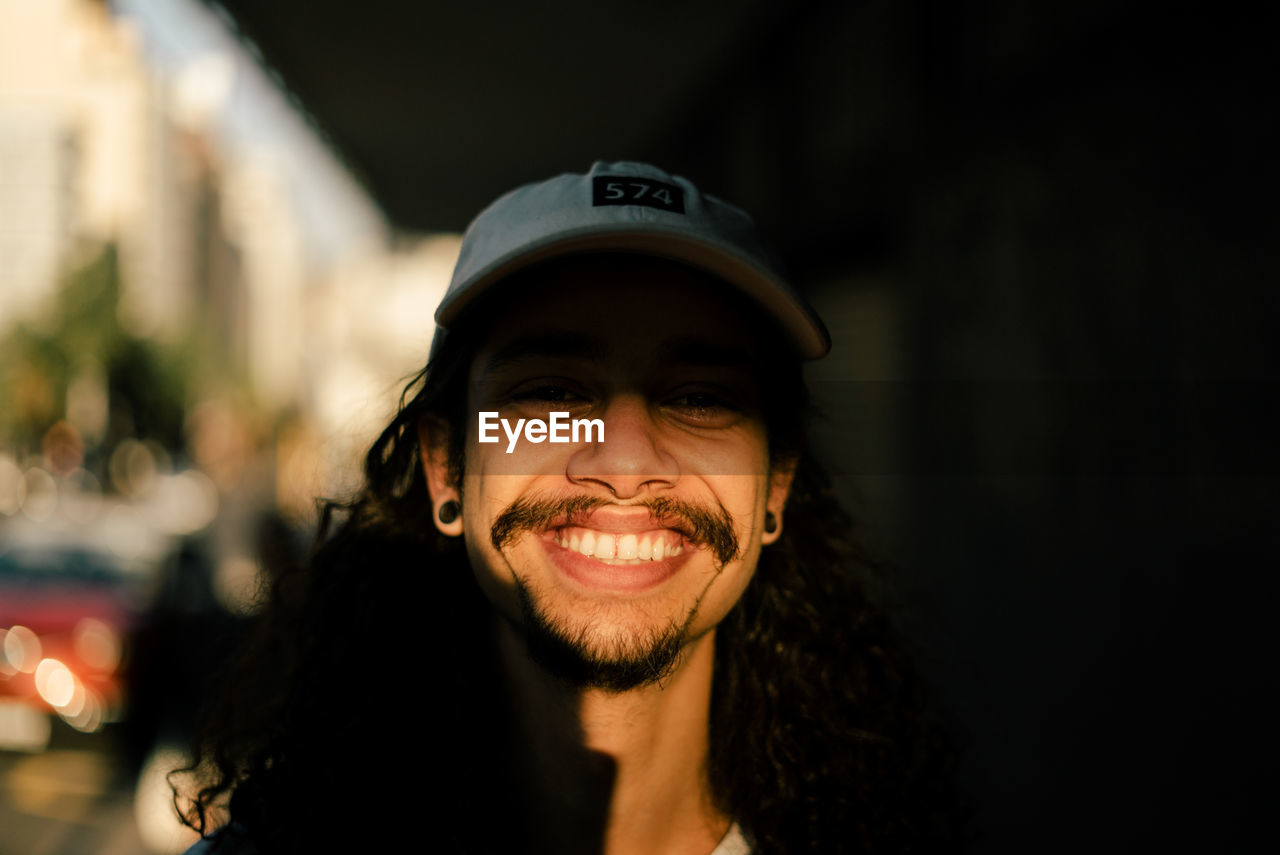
(182, 373)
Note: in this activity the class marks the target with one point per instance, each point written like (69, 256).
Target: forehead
(625, 309)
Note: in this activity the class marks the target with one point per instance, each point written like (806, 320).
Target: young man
(599, 596)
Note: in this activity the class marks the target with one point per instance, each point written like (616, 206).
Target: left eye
(698, 401)
(703, 407)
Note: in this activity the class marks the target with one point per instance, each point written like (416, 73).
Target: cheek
(728, 590)
(488, 566)
(745, 497)
(485, 497)
(477, 518)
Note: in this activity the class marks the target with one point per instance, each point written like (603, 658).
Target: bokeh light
(81, 498)
(55, 682)
(13, 486)
(97, 644)
(22, 649)
(40, 494)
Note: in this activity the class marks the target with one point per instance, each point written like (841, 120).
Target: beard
(580, 652)
(584, 659)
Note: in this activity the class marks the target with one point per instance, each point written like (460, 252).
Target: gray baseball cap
(626, 207)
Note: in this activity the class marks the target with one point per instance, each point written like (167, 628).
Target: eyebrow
(564, 344)
(691, 351)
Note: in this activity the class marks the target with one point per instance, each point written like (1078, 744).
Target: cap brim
(804, 328)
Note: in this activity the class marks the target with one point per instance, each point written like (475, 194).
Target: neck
(622, 769)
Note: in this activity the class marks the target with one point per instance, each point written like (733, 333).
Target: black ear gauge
(448, 511)
(770, 522)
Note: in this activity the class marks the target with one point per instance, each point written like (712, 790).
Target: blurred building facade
(102, 146)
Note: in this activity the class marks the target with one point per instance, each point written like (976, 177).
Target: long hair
(820, 737)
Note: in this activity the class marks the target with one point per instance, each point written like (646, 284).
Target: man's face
(621, 551)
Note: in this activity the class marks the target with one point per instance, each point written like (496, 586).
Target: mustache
(699, 525)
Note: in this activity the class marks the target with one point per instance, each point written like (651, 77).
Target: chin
(610, 646)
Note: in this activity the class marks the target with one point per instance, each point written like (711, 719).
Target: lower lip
(617, 578)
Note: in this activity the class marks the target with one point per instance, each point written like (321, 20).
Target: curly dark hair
(820, 737)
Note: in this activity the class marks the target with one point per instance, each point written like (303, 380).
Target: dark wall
(1064, 434)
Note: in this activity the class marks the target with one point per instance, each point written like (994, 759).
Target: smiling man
(651, 639)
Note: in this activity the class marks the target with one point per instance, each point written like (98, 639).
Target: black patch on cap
(636, 190)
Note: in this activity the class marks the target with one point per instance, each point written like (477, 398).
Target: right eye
(534, 391)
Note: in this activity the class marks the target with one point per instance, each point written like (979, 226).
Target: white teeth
(621, 547)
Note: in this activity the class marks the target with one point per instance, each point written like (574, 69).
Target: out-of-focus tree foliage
(147, 382)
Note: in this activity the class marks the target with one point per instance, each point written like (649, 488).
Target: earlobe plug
(448, 511)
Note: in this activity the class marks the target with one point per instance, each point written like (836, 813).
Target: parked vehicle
(71, 597)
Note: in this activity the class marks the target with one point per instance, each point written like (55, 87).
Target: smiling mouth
(607, 545)
(615, 562)
(620, 548)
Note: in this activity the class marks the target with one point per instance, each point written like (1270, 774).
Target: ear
(780, 478)
(433, 447)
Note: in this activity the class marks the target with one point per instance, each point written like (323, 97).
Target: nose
(629, 459)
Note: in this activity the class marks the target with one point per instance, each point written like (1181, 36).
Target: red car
(69, 601)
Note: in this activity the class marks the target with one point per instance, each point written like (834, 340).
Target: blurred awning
(438, 107)
(836, 124)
